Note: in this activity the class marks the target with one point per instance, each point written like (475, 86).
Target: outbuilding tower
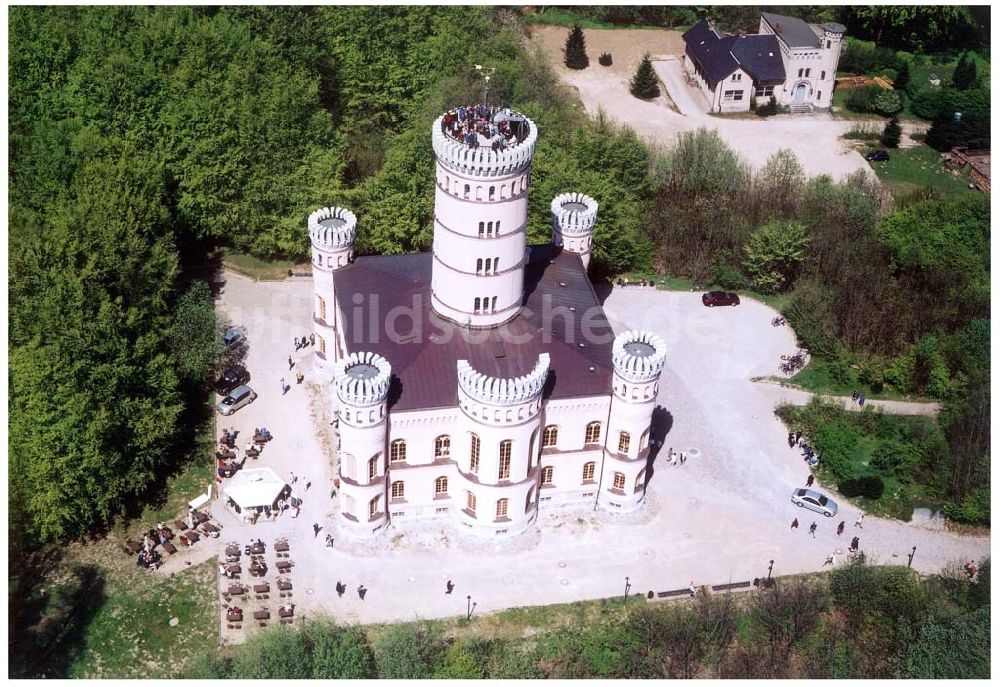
(332, 232)
(638, 358)
(573, 217)
(499, 463)
(362, 382)
(480, 222)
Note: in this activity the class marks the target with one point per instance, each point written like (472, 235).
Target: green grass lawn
(836, 378)
(910, 169)
(261, 270)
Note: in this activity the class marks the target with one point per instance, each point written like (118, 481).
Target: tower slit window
(505, 453)
(474, 455)
(482, 229)
(373, 507)
(479, 266)
(470, 502)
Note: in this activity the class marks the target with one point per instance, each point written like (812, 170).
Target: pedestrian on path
(299, 376)
(284, 388)
(861, 519)
(329, 539)
(795, 524)
(312, 339)
(798, 436)
(297, 511)
(362, 591)
(791, 440)
(341, 588)
(830, 560)
(692, 588)
(861, 400)
(297, 344)
(291, 480)
(809, 480)
(316, 529)
(812, 530)
(854, 545)
(854, 395)
(291, 363)
(308, 484)
(449, 587)
(683, 458)
(840, 527)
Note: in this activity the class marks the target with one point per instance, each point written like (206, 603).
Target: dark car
(714, 298)
(233, 338)
(878, 156)
(234, 376)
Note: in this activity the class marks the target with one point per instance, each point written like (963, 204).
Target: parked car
(877, 156)
(234, 376)
(813, 500)
(233, 338)
(237, 398)
(714, 298)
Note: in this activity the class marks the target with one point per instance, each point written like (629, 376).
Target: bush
(407, 652)
(879, 593)
(869, 486)
(773, 257)
(769, 109)
(950, 645)
(728, 277)
(974, 509)
(896, 458)
(836, 442)
(605, 59)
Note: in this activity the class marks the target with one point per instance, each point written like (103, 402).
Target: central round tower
(482, 174)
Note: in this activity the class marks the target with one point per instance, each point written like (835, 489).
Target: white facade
(810, 72)
(488, 463)
(331, 232)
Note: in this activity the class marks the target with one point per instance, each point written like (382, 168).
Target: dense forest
(860, 621)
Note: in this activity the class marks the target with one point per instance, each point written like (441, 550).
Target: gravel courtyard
(720, 517)
(814, 138)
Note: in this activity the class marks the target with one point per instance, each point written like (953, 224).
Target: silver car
(813, 500)
(237, 398)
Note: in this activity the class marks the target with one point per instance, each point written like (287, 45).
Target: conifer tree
(965, 75)
(891, 133)
(645, 84)
(576, 50)
(902, 77)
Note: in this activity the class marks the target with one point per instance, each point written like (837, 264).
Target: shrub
(644, 84)
(407, 652)
(871, 373)
(869, 486)
(459, 663)
(605, 59)
(728, 277)
(887, 102)
(902, 76)
(974, 509)
(950, 645)
(836, 442)
(898, 458)
(773, 256)
(769, 109)
(876, 592)
(575, 52)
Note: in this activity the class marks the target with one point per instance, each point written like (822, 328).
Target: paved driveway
(720, 517)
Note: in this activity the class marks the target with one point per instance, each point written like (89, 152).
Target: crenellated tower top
(638, 356)
(573, 214)
(362, 379)
(503, 391)
(333, 228)
(483, 159)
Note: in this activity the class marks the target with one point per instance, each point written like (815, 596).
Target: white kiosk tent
(254, 491)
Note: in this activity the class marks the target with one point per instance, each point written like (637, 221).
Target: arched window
(547, 474)
(502, 508)
(550, 437)
(482, 229)
(640, 480)
(398, 490)
(498, 228)
(470, 502)
(496, 264)
(442, 446)
(479, 266)
(397, 451)
(531, 447)
(486, 304)
(479, 192)
(624, 439)
(489, 265)
(373, 507)
(618, 480)
(441, 485)
(513, 188)
(373, 468)
(348, 466)
(493, 308)
(476, 308)
(467, 189)
(474, 455)
(349, 505)
(489, 229)
(593, 434)
(588, 471)
(493, 192)
(505, 451)
(524, 182)
(503, 192)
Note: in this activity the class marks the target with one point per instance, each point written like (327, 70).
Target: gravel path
(800, 397)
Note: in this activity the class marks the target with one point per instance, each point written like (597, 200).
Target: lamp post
(770, 567)
(627, 587)
(913, 553)
(487, 72)
(469, 607)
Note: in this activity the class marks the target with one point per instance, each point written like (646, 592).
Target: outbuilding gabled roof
(760, 57)
(711, 51)
(793, 31)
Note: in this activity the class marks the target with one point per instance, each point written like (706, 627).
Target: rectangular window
(373, 507)
(623, 441)
(618, 481)
(322, 308)
(502, 508)
(505, 447)
(807, 72)
(470, 501)
(737, 76)
(372, 468)
(547, 474)
(550, 437)
(800, 73)
(732, 96)
(474, 455)
(765, 92)
(822, 76)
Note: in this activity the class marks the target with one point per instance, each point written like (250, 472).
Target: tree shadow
(47, 619)
(603, 289)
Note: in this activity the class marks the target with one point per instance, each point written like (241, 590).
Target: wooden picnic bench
(281, 546)
(234, 616)
(284, 585)
(284, 566)
(236, 590)
(232, 550)
(168, 547)
(262, 588)
(262, 614)
(286, 612)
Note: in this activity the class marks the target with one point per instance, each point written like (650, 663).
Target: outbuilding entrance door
(800, 94)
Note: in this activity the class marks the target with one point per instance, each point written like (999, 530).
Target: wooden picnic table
(257, 548)
(236, 590)
(284, 585)
(262, 588)
(263, 614)
(281, 546)
(234, 616)
(284, 566)
(233, 550)
(169, 548)
(286, 612)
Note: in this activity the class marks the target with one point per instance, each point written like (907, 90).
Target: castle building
(789, 59)
(481, 381)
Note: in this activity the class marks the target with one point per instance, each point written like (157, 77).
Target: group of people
(641, 282)
(468, 122)
(808, 455)
(673, 457)
(858, 398)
